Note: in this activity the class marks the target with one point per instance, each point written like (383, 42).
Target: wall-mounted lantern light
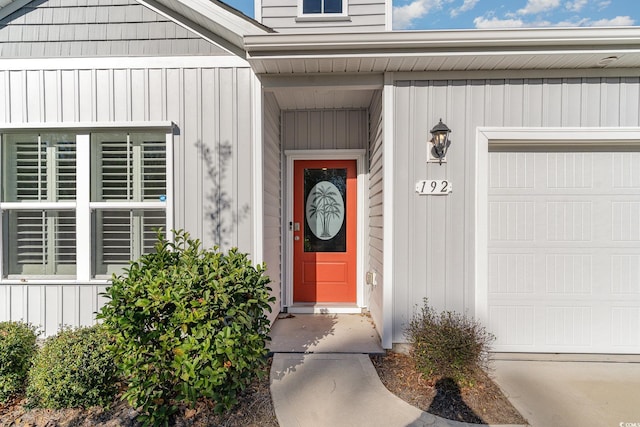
(440, 141)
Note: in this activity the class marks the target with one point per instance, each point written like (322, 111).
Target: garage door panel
(549, 173)
(625, 221)
(564, 251)
(567, 170)
(512, 170)
(511, 273)
(568, 274)
(625, 274)
(568, 326)
(568, 221)
(625, 170)
(538, 326)
(511, 220)
(513, 325)
(625, 326)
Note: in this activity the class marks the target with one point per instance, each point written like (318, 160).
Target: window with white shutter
(129, 168)
(80, 205)
(39, 175)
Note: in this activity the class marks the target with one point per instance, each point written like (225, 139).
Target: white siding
(273, 197)
(364, 15)
(433, 248)
(212, 156)
(57, 28)
(325, 129)
(375, 258)
(50, 306)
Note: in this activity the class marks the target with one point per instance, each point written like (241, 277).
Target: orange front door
(324, 231)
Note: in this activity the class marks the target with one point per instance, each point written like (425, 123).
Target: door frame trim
(362, 220)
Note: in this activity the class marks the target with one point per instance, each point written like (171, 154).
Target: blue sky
(458, 14)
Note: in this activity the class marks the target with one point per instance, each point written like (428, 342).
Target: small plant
(73, 369)
(187, 323)
(17, 349)
(448, 343)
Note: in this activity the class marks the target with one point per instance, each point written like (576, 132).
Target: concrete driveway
(572, 394)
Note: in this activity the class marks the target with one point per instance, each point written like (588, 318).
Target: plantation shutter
(116, 172)
(132, 169)
(30, 169)
(40, 168)
(154, 173)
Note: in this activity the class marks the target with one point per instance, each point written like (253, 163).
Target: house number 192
(434, 187)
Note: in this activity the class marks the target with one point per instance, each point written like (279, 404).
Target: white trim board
(359, 156)
(388, 111)
(487, 137)
(557, 73)
(257, 131)
(116, 62)
(161, 125)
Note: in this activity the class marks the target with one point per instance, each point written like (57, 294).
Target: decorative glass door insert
(325, 210)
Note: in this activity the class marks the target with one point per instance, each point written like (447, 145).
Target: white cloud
(537, 6)
(493, 22)
(466, 6)
(604, 4)
(584, 22)
(618, 21)
(403, 16)
(482, 22)
(576, 6)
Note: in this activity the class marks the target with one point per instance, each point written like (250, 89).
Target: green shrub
(73, 369)
(448, 343)
(17, 348)
(187, 323)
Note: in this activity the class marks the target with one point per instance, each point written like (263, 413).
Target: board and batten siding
(325, 129)
(82, 28)
(213, 177)
(272, 222)
(363, 15)
(375, 231)
(433, 235)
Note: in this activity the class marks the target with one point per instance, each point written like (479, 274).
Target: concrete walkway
(324, 333)
(321, 375)
(338, 390)
(569, 393)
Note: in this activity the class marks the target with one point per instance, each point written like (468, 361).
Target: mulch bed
(483, 403)
(480, 402)
(254, 410)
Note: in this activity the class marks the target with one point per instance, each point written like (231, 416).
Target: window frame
(83, 206)
(322, 16)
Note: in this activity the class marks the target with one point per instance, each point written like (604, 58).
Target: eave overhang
(212, 19)
(449, 50)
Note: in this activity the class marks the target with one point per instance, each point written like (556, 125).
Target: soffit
(432, 51)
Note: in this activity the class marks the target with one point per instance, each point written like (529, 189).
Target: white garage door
(564, 251)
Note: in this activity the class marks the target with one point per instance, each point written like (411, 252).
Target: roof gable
(61, 28)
